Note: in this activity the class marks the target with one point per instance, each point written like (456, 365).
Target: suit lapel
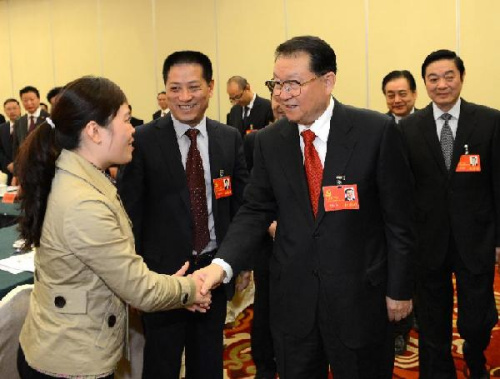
(167, 141)
(466, 124)
(340, 146)
(429, 132)
(291, 160)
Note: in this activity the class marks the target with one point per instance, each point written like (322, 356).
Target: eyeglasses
(291, 87)
(237, 97)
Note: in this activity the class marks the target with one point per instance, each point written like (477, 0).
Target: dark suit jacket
(136, 121)
(5, 149)
(351, 259)
(154, 191)
(21, 130)
(465, 205)
(157, 114)
(260, 116)
(2, 119)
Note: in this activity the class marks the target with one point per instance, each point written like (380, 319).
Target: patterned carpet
(238, 360)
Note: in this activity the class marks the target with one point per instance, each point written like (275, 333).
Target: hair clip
(50, 122)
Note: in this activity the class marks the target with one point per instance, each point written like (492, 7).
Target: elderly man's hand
(398, 309)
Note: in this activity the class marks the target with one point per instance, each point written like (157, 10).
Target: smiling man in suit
(458, 217)
(400, 91)
(340, 270)
(35, 115)
(174, 193)
(250, 111)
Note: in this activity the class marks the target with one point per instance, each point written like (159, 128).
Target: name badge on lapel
(469, 162)
(222, 187)
(341, 197)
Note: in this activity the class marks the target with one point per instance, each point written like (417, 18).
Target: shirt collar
(250, 105)
(454, 111)
(36, 114)
(181, 128)
(321, 127)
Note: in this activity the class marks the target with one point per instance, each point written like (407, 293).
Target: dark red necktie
(197, 194)
(32, 124)
(314, 169)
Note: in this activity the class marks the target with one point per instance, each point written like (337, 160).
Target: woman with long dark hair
(86, 269)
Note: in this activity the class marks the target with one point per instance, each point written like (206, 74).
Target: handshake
(205, 279)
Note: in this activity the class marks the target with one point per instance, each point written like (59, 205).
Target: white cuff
(227, 269)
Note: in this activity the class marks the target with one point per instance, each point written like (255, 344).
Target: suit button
(316, 235)
(59, 302)
(111, 321)
(315, 273)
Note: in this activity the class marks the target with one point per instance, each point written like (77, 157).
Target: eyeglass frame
(237, 97)
(271, 85)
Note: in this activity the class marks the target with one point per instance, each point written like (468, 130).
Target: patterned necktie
(446, 140)
(314, 169)
(245, 117)
(32, 124)
(197, 193)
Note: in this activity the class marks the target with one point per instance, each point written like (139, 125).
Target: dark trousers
(261, 337)
(309, 357)
(477, 315)
(167, 334)
(26, 372)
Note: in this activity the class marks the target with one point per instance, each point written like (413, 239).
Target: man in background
(13, 111)
(35, 115)
(458, 217)
(161, 98)
(250, 111)
(400, 91)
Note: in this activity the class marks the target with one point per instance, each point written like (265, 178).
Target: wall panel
(187, 26)
(479, 47)
(247, 37)
(401, 35)
(341, 24)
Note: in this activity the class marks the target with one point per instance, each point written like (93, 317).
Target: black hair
(29, 89)
(444, 54)
(396, 74)
(188, 57)
(239, 80)
(322, 56)
(10, 100)
(53, 93)
(81, 101)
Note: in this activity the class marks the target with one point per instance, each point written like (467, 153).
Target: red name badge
(222, 187)
(469, 163)
(338, 198)
(9, 197)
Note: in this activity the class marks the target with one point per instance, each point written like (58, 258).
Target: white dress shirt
(202, 143)
(453, 122)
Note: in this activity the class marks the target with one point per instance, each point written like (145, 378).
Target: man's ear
(93, 132)
(330, 78)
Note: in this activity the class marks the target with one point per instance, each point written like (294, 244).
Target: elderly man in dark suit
(458, 217)
(35, 115)
(250, 111)
(340, 271)
(174, 192)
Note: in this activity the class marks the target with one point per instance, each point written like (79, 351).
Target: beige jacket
(86, 269)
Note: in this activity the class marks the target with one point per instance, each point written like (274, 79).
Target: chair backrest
(13, 309)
